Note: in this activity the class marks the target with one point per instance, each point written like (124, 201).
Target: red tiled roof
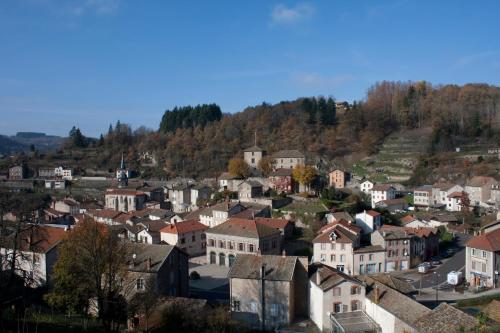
(344, 235)
(372, 213)
(421, 232)
(382, 187)
(184, 227)
(455, 195)
(489, 241)
(407, 219)
(275, 223)
(40, 238)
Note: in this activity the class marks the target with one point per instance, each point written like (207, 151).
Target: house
(150, 231)
(369, 221)
(55, 184)
(393, 205)
(180, 197)
(330, 292)
(495, 196)
(268, 291)
(382, 192)
(288, 159)
(482, 260)
(214, 215)
(393, 311)
(106, 216)
(249, 189)
(253, 155)
(285, 226)
(67, 205)
(281, 181)
(200, 194)
(338, 245)
(440, 192)
(17, 172)
(454, 203)
(366, 187)
(156, 194)
(124, 200)
(396, 243)
(229, 182)
(189, 236)
(422, 196)
(237, 236)
(35, 254)
(338, 178)
(337, 216)
(494, 225)
(164, 267)
(446, 318)
(479, 189)
(64, 173)
(46, 173)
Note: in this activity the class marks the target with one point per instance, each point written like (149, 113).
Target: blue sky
(91, 62)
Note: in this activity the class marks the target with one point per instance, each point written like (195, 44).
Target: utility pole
(262, 297)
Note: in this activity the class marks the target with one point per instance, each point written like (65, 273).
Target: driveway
(455, 263)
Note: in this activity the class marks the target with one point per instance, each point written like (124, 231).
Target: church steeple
(121, 174)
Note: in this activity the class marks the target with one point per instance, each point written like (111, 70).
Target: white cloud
(314, 80)
(283, 14)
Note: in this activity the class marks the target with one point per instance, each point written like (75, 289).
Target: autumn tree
(464, 202)
(91, 267)
(265, 165)
(238, 167)
(304, 174)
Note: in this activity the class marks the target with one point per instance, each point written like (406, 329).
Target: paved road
(455, 263)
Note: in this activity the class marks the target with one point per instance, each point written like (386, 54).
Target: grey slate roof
(254, 149)
(330, 277)
(278, 268)
(157, 253)
(243, 228)
(288, 154)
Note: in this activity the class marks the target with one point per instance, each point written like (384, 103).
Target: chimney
(377, 294)
(318, 277)
(148, 264)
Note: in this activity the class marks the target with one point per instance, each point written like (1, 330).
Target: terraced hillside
(397, 158)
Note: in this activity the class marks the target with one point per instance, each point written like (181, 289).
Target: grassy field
(309, 208)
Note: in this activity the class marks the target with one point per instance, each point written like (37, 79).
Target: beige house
(67, 205)
(337, 178)
(288, 159)
(124, 200)
(440, 192)
(240, 236)
(479, 189)
(268, 291)
(422, 196)
(253, 155)
(332, 291)
(396, 242)
(482, 260)
(189, 236)
(248, 190)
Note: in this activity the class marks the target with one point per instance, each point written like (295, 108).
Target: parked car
(435, 261)
(424, 267)
(449, 252)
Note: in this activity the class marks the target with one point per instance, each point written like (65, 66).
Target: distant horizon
(90, 63)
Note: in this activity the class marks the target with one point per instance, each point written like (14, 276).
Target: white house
(189, 236)
(330, 292)
(369, 221)
(64, 173)
(382, 192)
(479, 189)
(36, 254)
(440, 192)
(422, 196)
(366, 186)
(482, 260)
(454, 202)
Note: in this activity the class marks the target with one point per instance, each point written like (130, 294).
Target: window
(332, 257)
(342, 246)
(342, 258)
(323, 246)
(183, 240)
(275, 310)
(250, 248)
(484, 254)
(361, 269)
(193, 238)
(211, 242)
(361, 258)
(332, 246)
(323, 257)
(140, 284)
(337, 291)
(354, 305)
(370, 257)
(235, 304)
(222, 244)
(355, 290)
(231, 245)
(274, 243)
(473, 252)
(340, 268)
(337, 307)
(240, 247)
(253, 307)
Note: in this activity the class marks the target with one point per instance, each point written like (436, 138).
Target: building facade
(124, 200)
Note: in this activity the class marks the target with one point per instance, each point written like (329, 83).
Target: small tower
(253, 154)
(122, 174)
